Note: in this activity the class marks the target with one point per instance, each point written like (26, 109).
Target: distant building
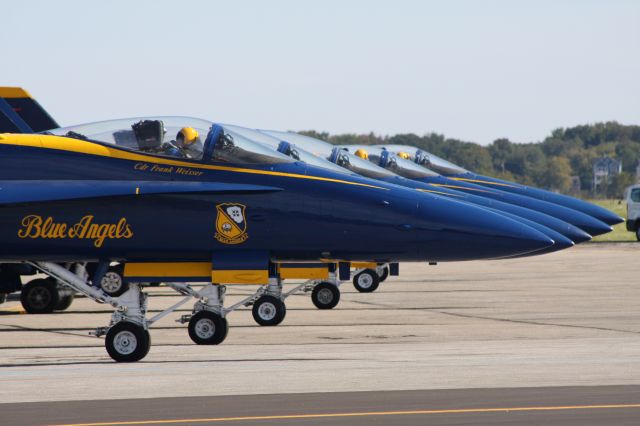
(576, 186)
(604, 169)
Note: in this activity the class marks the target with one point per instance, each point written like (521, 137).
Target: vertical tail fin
(20, 113)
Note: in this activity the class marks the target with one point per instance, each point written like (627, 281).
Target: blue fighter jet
(186, 200)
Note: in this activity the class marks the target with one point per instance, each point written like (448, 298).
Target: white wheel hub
(267, 311)
(39, 296)
(365, 280)
(111, 282)
(125, 342)
(325, 296)
(205, 328)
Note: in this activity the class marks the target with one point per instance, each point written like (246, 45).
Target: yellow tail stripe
(13, 92)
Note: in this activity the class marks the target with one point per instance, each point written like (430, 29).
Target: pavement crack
(44, 330)
(454, 314)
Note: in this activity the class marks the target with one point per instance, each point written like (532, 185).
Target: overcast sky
(472, 70)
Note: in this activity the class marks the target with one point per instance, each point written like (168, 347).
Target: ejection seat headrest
(149, 133)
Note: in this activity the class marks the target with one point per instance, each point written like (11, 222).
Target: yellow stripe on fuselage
(483, 181)
(459, 187)
(364, 265)
(195, 270)
(240, 276)
(439, 192)
(13, 92)
(85, 147)
(320, 273)
(167, 269)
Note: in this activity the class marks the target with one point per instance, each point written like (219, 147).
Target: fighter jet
(186, 200)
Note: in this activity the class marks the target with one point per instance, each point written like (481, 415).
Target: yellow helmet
(403, 155)
(187, 136)
(362, 154)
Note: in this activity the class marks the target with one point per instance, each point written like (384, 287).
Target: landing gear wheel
(39, 296)
(3, 297)
(208, 328)
(325, 295)
(638, 233)
(127, 342)
(65, 299)
(269, 310)
(385, 274)
(366, 281)
(113, 283)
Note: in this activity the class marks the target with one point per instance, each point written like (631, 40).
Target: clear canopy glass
(232, 147)
(181, 137)
(325, 150)
(398, 165)
(294, 151)
(154, 135)
(427, 159)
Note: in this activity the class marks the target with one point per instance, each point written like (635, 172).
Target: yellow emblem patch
(231, 223)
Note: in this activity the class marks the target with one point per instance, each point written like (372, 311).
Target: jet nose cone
(597, 228)
(608, 217)
(577, 235)
(470, 232)
(522, 239)
(560, 243)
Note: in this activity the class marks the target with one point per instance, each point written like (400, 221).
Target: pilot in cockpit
(150, 134)
(186, 142)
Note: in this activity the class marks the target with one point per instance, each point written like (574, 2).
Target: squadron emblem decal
(231, 224)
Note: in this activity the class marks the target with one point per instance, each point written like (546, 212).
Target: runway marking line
(358, 414)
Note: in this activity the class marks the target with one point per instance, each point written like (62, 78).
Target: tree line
(550, 164)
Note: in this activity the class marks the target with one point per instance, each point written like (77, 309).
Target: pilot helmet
(404, 155)
(187, 136)
(362, 154)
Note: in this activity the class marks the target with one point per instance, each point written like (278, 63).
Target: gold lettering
(112, 231)
(34, 226)
(31, 227)
(157, 168)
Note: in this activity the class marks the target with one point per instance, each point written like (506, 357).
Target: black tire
(113, 283)
(65, 299)
(385, 273)
(325, 295)
(638, 233)
(40, 296)
(269, 311)
(127, 342)
(149, 345)
(208, 328)
(366, 281)
(3, 298)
